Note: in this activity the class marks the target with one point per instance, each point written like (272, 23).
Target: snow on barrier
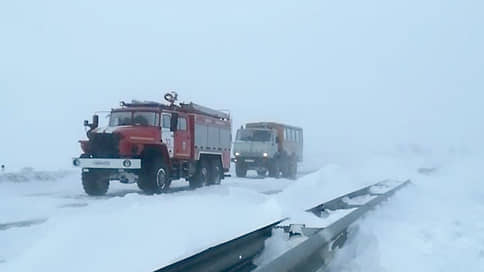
(29, 174)
(315, 252)
(234, 255)
(313, 244)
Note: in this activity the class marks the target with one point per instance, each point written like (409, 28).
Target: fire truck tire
(201, 175)
(215, 171)
(95, 182)
(274, 169)
(240, 170)
(154, 178)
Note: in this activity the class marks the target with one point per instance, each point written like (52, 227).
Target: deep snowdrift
(128, 231)
(435, 224)
(132, 233)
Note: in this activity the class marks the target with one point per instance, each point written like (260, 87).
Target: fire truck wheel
(95, 183)
(162, 179)
(201, 176)
(216, 172)
(155, 178)
(240, 170)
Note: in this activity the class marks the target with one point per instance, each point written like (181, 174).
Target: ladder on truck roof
(192, 107)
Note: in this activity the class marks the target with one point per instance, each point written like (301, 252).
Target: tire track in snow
(22, 224)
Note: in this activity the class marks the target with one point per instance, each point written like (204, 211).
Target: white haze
(356, 75)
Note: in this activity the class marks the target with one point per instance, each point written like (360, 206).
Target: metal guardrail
(234, 255)
(315, 252)
(339, 203)
(310, 255)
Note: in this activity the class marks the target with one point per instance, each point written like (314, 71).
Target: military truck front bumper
(107, 163)
(253, 162)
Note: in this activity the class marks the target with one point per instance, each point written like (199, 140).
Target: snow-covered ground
(129, 231)
(125, 231)
(29, 174)
(435, 224)
(54, 226)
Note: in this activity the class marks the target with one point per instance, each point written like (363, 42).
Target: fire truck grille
(104, 145)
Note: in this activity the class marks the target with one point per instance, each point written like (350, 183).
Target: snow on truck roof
(270, 125)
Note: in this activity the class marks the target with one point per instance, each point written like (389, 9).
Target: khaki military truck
(268, 148)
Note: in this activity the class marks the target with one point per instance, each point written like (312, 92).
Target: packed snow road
(67, 193)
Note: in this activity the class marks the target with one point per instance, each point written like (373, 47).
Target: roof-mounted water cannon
(171, 97)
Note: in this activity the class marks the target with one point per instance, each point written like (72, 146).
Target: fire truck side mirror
(174, 122)
(86, 123)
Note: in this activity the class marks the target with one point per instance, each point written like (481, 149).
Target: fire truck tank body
(213, 136)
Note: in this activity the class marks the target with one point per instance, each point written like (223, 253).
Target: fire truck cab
(151, 143)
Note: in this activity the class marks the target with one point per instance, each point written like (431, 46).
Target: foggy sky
(354, 74)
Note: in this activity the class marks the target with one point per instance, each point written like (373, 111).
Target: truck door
(167, 136)
(182, 139)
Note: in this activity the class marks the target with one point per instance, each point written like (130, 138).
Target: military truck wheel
(155, 178)
(285, 166)
(216, 171)
(293, 169)
(201, 176)
(240, 170)
(274, 169)
(95, 182)
(262, 173)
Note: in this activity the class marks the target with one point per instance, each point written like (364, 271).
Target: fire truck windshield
(254, 135)
(127, 118)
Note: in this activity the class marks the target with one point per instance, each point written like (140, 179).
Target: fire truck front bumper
(107, 163)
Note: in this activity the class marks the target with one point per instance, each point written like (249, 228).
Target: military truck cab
(268, 147)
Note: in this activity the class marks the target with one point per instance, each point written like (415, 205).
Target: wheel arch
(156, 151)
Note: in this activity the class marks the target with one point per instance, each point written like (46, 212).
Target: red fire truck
(152, 144)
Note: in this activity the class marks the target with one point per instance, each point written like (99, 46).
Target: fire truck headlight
(265, 154)
(237, 154)
(76, 162)
(126, 163)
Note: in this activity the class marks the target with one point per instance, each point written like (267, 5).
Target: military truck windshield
(126, 118)
(254, 135)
